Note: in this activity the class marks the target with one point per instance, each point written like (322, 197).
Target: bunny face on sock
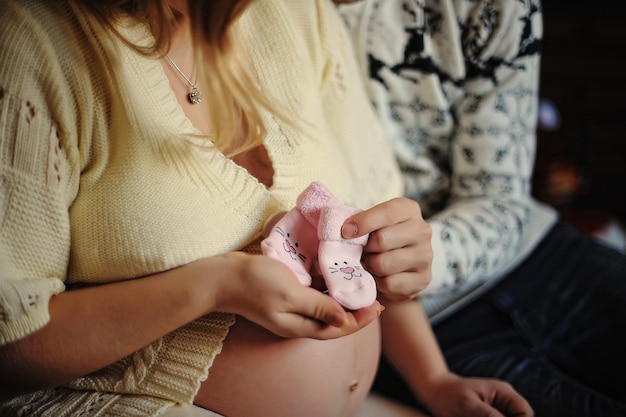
(293, 241)
(292, 246)
(312, 230)
(346, 280)
(349, 272)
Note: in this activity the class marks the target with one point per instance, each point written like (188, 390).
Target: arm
(492, 149)
(456, 86)
(411, 347)
(398, 253)
(93, 327)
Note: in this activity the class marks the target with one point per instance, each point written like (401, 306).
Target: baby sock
(293, 239)
(313, 199)
(340, 260)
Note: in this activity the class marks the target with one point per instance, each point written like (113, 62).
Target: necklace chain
(195, 96)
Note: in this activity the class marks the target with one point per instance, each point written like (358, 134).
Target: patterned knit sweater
(100, 181)
(455, 82)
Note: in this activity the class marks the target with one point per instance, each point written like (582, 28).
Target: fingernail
(381, 309)
(349, 230)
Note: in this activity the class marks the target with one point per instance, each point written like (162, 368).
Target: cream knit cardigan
(98, 182)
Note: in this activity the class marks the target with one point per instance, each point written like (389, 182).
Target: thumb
(331, 312)
(327, 310)
(322, 307)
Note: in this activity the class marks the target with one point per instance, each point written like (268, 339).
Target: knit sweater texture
(100, 180)
(456, 85)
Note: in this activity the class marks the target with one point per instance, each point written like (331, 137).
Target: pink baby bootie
(340, 260)
(293, 239)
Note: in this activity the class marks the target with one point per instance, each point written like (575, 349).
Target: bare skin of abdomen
(262, 375)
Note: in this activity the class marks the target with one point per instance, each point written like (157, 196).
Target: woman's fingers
(320, 317)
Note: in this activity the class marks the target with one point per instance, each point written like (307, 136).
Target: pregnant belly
(260, 374)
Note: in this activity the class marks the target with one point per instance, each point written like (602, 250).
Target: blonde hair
(235, 99)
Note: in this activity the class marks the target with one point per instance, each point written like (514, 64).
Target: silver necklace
(195, 96)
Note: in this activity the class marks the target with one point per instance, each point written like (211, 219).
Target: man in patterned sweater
(516, 294)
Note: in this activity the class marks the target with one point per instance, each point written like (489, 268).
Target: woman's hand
(455, 396)
(398, 252)
(266, 292)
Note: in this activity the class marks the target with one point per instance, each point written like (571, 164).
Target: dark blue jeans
(554, 328)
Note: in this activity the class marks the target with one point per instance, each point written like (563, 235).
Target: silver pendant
(195, 96)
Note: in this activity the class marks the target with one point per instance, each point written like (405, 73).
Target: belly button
(353, 386)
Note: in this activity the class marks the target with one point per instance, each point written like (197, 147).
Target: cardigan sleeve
(492, 149)
(34, 232)
(35, 182)
(455, 83)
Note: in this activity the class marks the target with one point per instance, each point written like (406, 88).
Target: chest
(144, 208)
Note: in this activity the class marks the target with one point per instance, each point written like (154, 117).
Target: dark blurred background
(581, 154)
